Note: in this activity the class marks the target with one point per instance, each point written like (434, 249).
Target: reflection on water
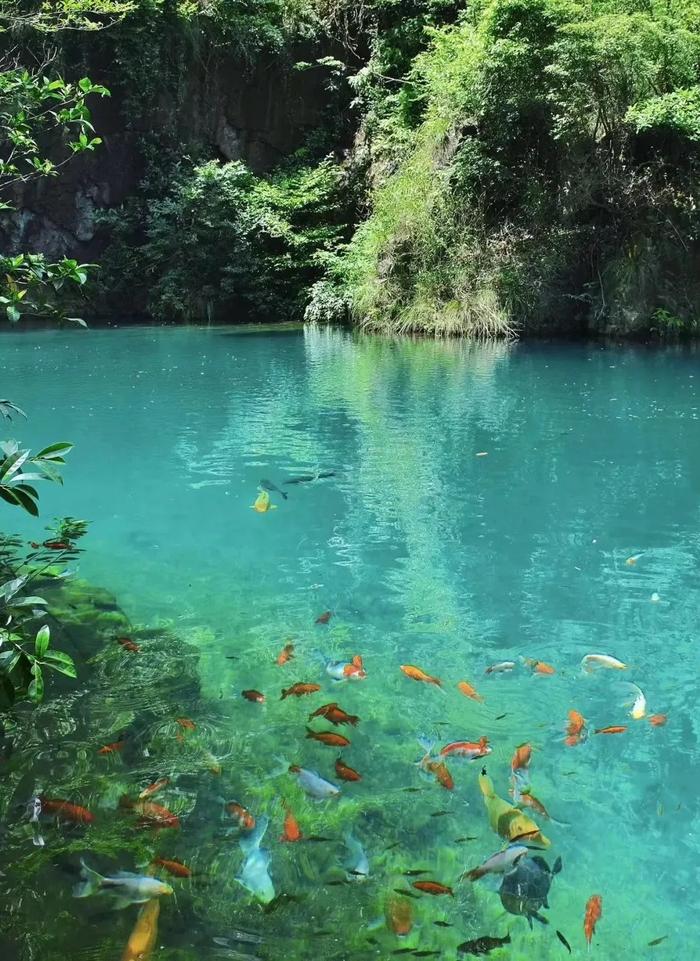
(483, 506)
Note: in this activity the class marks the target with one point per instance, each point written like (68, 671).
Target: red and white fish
(345, 670)
(469, 749)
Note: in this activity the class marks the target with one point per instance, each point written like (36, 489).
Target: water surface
(484, 503)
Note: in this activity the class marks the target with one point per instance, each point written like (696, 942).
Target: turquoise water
(426, 554)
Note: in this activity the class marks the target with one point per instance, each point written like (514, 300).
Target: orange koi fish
(528, 799)
(66, 810)
(144, 935)
(245, 819)
(154, 788)
(128, 644)
(399, 916)
(441, 772)
(416, 674)
(346, 773)
(112, 748)
(346, 670)
(327, 737)
(658, 720)
(176, 868)
(594, 910)
(153, 815)
(469, 749)
(539, 667)
(185, 723)
(335, 714)
(355, 669)
(432, 887)
(324, 618)
(613, 729)
(575, 729)
(522, 757)
(438, 767)
(253, 695)
(300, 689)
(292, 831)
(469, 691)
(286, 654)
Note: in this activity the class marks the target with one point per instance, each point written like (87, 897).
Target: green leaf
(8, 661)
(26, 501)
(7, 409)
(11, 464)
(77, 320)
(13, 314)
(42, 641)
(35, 690)
(10, 588)
(61, 448)
(7, 495)
(30, 602)
(61, 662)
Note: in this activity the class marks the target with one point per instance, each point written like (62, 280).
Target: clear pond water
(484, 504)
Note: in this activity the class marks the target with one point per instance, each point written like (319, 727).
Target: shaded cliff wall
(190, 94)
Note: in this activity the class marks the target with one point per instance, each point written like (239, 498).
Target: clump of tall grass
(416, 266)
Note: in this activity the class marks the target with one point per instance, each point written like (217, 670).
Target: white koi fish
(591, 662)
(357, 862)
(501, 667)
(638, 703)
(254, 875)
(502, 862)
(313, 784)
(126, 888)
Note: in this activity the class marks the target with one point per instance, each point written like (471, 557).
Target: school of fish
(329, 725)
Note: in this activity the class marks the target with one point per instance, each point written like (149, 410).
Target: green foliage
(18, 467)
(34, 106)
(677, 112)
(60, 15)
(667, 324)
(68, 529)
(528, 168)
(251, 27)
(223, 242)
(24, 649)
(36, 110)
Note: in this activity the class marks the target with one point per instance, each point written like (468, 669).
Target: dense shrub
(534, 170)
(225, 244)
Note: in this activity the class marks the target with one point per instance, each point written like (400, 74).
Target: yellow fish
(506, 820)
(262, 503)
(142, 939)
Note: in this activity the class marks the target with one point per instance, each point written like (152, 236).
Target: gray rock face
(258, 114)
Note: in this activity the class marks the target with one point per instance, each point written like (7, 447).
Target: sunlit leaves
(57, 15)
(42, 641)
(61, 662)
(18, 467)
(37, 110)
